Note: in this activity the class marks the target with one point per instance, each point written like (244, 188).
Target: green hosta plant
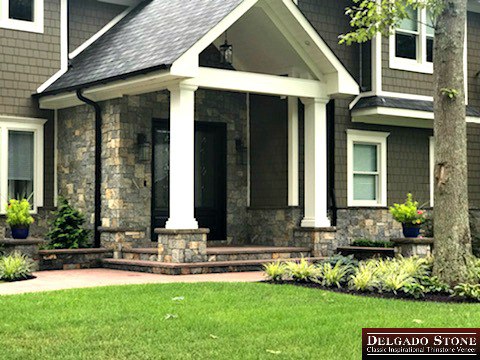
(364, 279)
(408, 212)
(394, 281)
(468, 291)
(67, 228)
(302, 270)
(15, 267)
(18, 213)
(413, 266)
(333, 275)
(275, 271)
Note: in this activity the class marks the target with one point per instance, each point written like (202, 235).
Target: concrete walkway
(72, 279)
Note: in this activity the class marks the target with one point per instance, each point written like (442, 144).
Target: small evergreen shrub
(67, 228)
(275, 271)
(15, 267)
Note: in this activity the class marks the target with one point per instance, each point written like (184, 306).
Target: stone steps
(157, 267)
(228, 253)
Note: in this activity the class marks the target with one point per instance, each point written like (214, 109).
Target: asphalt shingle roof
(152, 36)
(399, 103)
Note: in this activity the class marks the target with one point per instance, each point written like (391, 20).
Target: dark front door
(210, 176)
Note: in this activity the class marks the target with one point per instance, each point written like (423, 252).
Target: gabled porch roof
(159, 42)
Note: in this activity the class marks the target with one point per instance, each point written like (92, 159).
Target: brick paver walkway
(71, 279)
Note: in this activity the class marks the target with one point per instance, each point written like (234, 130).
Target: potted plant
(19, 218)
(409, 216)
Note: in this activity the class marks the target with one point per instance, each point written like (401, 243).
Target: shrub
(343, 260)
(302, 270)
(433, 284)
(15, 267)
(333, 275)
(408, 212)
(275, 271)
(468, 291)
(371, 243)
(18, 213)
(66, 231)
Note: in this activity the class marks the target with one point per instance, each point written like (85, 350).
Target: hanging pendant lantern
(226, 52)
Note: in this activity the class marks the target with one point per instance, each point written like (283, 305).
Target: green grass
(215, 321)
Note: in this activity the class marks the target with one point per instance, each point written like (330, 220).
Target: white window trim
(36, 26)
(34, 125)
(432, 169)
(374, 138)
(420, 65)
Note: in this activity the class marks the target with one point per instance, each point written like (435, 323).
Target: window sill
(19, 25)
(411, 65)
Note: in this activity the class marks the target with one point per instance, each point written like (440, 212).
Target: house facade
(299, 141)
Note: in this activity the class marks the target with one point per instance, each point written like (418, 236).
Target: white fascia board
(188, 62)
(138, 85)
(257, 83)
(394, 117)
(345, 80)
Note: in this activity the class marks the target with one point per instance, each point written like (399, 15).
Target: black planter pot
(20, 232)
(411, 230)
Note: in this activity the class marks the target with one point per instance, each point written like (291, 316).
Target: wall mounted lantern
(143, 147)
(226, 52)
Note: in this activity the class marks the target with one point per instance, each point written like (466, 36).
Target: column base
(316, 223)
(182, 245)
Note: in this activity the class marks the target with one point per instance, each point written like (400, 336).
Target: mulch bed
(439, 297)
(31, 277)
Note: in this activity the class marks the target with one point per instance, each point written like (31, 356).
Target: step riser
(225, 257)
(184, 271)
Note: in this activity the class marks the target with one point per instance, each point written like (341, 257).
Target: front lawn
(206, 321)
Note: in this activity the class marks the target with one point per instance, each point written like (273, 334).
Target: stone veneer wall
(126, 181)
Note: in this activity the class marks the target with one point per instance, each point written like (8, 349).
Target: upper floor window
(411, 45)
(24, 15)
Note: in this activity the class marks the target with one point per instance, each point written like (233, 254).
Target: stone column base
(117, 239)
(407, 247)
(28, 247)
(182, 246)
(323, 241)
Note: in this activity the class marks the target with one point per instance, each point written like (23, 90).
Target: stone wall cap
(322, 229)
(419, 241)
(162, 231)
(75, 251)
(19, 242)
(103, 229)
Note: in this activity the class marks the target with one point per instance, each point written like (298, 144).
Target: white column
(293, 151)
(182, 158)
(316, 164)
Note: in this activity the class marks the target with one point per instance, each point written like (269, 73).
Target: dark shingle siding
(87, 17)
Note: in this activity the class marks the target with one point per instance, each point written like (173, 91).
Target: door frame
(163, 123)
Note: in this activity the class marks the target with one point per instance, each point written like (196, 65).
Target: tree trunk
(451, 217)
